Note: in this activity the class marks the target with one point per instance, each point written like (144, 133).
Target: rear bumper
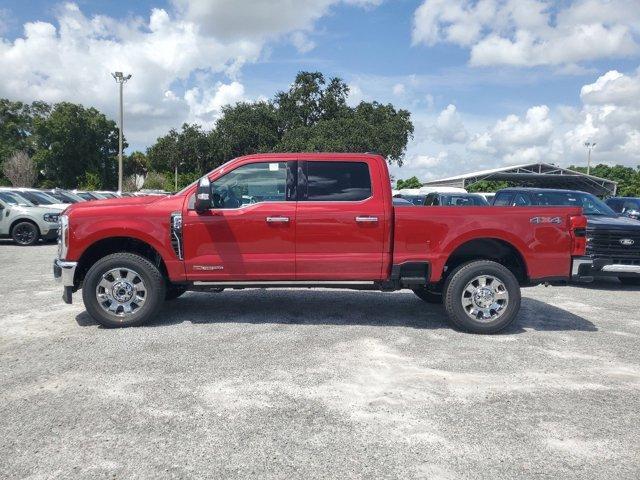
(64, 273)
(586, 268)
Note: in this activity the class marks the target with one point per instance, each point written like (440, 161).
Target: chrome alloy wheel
(485, 298)
(121, 291)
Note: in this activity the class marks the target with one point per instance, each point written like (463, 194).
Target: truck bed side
(540, 235)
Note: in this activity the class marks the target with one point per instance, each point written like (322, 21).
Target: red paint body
(321, 240)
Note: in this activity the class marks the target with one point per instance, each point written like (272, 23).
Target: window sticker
(273, 167)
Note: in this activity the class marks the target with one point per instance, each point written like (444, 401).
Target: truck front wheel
(481, 297)
(123, 290)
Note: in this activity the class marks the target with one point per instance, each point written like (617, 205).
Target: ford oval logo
(627, 242)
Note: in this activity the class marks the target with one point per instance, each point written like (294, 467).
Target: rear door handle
(277, 219)
(366, 219)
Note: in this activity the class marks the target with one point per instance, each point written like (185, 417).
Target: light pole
(589, 146)
(121, 79)
(176, 175)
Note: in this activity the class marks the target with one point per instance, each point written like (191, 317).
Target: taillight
(578, 230)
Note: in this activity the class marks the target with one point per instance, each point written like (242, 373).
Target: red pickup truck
(311, 220)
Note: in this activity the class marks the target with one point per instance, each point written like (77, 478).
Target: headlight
(63, 237)
(51, 217)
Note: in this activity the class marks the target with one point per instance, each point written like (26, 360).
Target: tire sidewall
(456, 284)
(151, 277)
(35, 229)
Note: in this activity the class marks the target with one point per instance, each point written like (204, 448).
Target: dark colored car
(613, 241)
(627, 206)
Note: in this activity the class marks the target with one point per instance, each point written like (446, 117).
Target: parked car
(613, 241)
(37, 197)
(397, 201)
(107, 194)
(488, 196)
(329, 222)
(455, 200)
(88, 196)
(24, 222)
(64, 196)
(627, 206)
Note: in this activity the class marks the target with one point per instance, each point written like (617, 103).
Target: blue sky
(488, 82)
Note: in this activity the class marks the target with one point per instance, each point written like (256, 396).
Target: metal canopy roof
(541, 175)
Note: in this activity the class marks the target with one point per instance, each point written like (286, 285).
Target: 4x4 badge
(627, 242)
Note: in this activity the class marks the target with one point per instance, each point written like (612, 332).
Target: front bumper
(52, 234)
(584, 269)
(64, 272)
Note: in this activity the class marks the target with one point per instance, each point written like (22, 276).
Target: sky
(489, 83)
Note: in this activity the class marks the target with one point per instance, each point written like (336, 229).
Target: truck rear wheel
(123, 290)
(481, 297)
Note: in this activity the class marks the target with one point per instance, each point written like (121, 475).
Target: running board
(354, 284)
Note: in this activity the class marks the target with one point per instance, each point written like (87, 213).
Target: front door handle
(277, 219)
(366, 219)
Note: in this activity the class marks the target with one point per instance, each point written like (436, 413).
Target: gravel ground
(315, 384)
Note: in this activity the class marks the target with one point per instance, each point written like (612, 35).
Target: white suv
(24, 222)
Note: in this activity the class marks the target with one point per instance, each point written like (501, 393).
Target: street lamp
(121, 79)
(589, 146)
(176, 175)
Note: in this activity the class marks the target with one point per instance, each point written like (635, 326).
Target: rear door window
(336, 181)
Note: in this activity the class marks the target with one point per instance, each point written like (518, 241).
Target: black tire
(631, 281)
(428, 295)
(457, 282)
(173, 291)
(25, 233)
(147, 272)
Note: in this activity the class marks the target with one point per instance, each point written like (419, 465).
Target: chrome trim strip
(618, 268)
(286, 283)
(68, 272)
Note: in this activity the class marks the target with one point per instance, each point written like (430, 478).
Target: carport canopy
(540, 175)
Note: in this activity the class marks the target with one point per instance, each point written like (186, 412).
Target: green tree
(312, 115)
(628, 178)
(412, 182)
(76, 145)
(488, 186)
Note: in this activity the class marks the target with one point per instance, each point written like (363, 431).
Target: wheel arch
(489, 248)
(21, 220)
(107, 246)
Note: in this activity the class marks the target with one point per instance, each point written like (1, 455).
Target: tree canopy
(312, 115)
(412, 182)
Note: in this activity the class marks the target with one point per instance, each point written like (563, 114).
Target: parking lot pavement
(315, 384)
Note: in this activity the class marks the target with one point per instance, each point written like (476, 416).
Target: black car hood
(617, 223)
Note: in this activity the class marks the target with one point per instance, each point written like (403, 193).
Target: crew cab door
(340, 221)
(250, 232)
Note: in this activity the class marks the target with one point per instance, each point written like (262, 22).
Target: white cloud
(532, 32)
(399, 89)
(257, 19)
(449, 127)
(176, 58)
(302, 42)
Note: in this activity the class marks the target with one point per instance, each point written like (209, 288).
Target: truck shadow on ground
(349, 308)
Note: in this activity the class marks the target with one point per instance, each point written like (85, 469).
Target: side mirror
(203, 195)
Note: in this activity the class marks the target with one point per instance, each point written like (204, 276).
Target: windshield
(591, 205)
(38, 198)
(65, 197)
(13, 199)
